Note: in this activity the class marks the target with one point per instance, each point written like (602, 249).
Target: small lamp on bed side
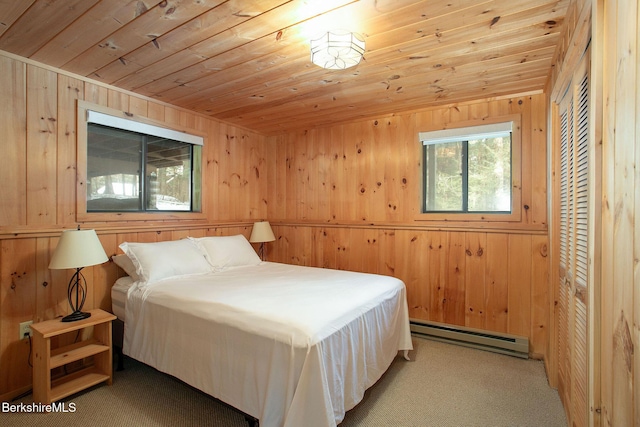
(77, 249)
(261, 233)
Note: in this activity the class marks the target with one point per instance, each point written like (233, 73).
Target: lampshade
(77, 249)
(261, 233)
(337, 50)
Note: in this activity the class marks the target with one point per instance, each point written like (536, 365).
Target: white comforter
(292, 346)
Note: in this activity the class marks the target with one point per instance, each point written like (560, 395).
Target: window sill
(139, 216)
(469, 217)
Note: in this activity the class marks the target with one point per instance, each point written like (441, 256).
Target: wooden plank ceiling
(247, 61)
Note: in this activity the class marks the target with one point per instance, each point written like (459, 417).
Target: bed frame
(118, 340)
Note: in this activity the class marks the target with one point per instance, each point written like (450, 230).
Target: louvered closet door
(564, 365)
(572, 231)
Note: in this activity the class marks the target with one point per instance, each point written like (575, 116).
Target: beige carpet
(443, 385)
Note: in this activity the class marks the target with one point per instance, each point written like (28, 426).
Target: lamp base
(76, 315)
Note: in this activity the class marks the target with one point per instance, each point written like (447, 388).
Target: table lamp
(77, 249)
(261, 233)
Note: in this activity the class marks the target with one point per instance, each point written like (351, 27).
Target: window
(136, 167)
(468, 170)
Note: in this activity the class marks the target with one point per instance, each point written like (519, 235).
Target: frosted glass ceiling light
(337, 50)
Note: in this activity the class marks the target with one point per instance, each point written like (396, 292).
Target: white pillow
(227, 251)
(125, 263)
(157, 261)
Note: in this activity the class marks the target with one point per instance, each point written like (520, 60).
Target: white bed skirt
(292, 346)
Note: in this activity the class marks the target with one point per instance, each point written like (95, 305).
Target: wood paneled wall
(487, 280)
(38, 109)
(348, 197)
(612, 29)
(574, 206)
(38, 135)
(343, 197)
(370, 171)
(617, 59)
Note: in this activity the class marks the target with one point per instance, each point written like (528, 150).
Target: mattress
(289, 345)
(119, 292)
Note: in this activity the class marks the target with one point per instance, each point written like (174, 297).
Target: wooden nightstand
(45, 359)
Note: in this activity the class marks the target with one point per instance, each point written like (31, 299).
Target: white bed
(119, 294)
(289, 345)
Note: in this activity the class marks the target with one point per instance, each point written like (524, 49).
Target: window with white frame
(138, 167)
(468, 170)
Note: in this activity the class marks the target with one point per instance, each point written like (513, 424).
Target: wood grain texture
(573, 319)
(13, 133)
(248, 62)
(94, 25)
(442, 283)
(625, 390)
(612, 390)
(475, 280)
(540, 299)
(376, 166)
(42, 130)
(493, 280)
(40, 22)
(11, 11)
(38, 116)
(51, 301)
(341, 197)
(497, 281)
(69, 91)
(18, 302)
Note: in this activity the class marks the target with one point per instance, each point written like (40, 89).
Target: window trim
(81, 173)
(516, 172)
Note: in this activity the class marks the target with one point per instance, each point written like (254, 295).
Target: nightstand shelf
(77, 381)
(45, 359)
(71, 353)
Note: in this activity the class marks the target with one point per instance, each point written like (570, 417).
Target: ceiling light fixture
(337, 50)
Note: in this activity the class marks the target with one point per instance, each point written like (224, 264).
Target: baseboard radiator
(512, 345)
